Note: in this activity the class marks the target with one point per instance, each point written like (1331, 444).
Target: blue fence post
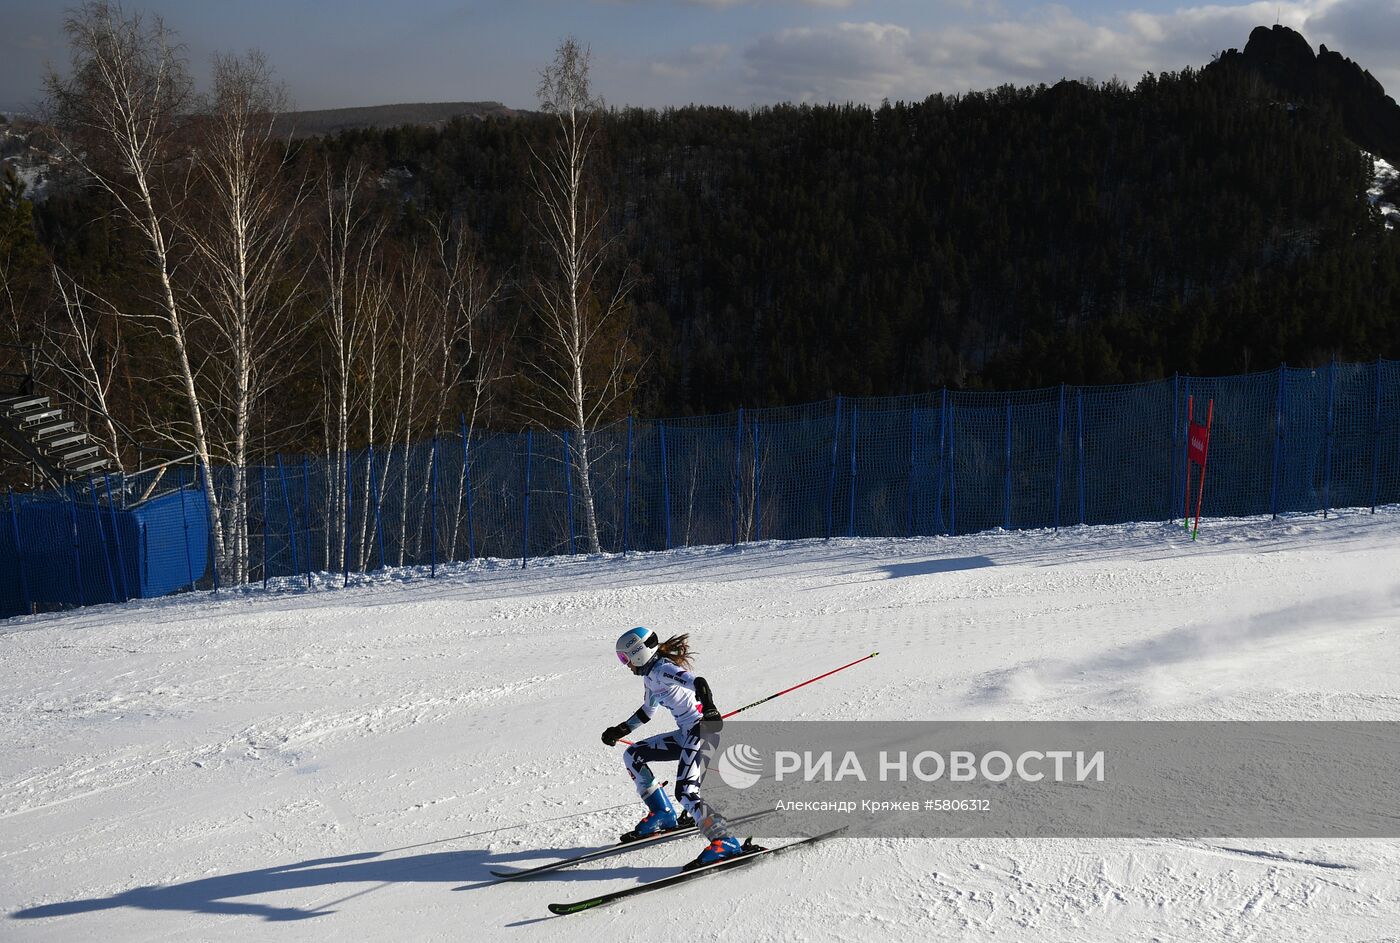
(287, 506)
(627, 491)
(1184, 456)
(913, 444)
(77, 552)
(306, 502)
(1079, 403)
(1376, 440)
(525, 503)
(1006, 525)
(467, 485)
(262, 477)
(1172, 439)
(185, 520)
(1278, 443)
(569, 490)
(1331, 429)
(203, 471)
(1059, 455)
(117, 536)
(738, 473)
(102, 532)
(345, 560)
(942, 455)
(665, 484)
(757, 484)
(433, 510)
(19, 555)
(374, 491)
(952, 471)
(851, 523)
(831, 483)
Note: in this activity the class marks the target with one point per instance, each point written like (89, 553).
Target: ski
(614, 849)
(682, 876)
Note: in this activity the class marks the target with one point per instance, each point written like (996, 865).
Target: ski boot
(661, 818)
(722, 848)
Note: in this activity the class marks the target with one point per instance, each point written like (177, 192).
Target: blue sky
(333, 53)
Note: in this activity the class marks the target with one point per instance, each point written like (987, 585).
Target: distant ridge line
(333, 120)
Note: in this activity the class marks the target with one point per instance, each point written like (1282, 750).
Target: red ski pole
(802, 684)
(796, 686)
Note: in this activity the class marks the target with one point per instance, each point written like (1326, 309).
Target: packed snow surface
(323, 764)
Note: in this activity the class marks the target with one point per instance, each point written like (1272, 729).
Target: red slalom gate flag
(1199, 442)
(1197, 447)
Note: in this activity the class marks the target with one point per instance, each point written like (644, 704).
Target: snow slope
(311, 765)
(1385, 174)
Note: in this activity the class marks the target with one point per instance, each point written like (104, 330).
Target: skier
(664, 666)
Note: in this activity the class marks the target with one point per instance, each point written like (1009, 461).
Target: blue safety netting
(1285, 441)
(91, 544)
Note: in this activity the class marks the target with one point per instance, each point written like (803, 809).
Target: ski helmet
(637, 647)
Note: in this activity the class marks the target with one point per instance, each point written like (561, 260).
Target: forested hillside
(1207, 221)
(1198, 222)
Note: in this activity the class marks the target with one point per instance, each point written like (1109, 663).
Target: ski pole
(796, 686)
(770, 697)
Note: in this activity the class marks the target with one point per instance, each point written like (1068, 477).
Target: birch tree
(117, 118)
(468, 352)
(585, 362)
(241, 230)
(348, 246)
(85, 349)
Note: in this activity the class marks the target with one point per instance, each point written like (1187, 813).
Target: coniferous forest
(1019, 237)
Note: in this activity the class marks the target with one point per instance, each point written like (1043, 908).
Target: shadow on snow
(225, 894)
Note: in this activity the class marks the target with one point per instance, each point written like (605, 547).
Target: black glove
(709, 715)
(615, 733)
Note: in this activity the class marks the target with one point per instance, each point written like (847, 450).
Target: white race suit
(692, 743)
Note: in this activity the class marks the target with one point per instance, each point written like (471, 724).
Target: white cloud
(1365, 30)
(690, 62)
(868, 61)
(832, 4)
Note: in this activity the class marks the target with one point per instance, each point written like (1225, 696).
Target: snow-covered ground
(314, 765)
(1385, 174)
